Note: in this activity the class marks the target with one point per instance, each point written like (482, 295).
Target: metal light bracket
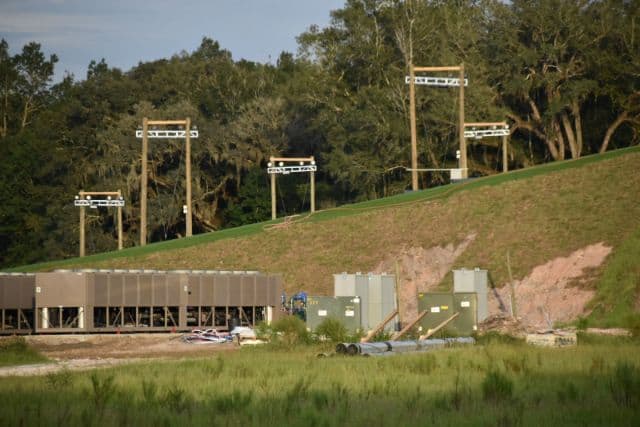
(435, 81)
(166, 134)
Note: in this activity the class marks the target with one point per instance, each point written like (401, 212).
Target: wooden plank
(291, 159)
(166, 122)
(482, 124)
(434, 69)
(99, 193)
(409, 326)
(380, 326)
(437, 328)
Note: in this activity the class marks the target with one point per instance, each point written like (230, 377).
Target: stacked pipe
(389, 348)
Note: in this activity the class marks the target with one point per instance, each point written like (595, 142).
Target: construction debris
(553, 339)
(209, 336)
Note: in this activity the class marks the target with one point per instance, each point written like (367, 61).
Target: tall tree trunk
(577, 118)
(25, 113)
(571, 138)
(556, 131)
(622, 117)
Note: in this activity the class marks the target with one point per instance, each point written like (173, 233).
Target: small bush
(624, 384)
(16, 351)
(497, 387)
(291, 330)
(333, 330)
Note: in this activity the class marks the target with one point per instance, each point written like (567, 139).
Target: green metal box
(441, 306)
(345, 309)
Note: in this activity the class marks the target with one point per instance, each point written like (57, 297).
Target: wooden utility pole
(491, 129)
(189, 218)
(278, 165)
(463, 142)
(441, 82)
(84, 199)
(186, 134)
(119, 222)
(505, 154)
(414, 137)
(143, 183)
(82, 232)
(273, 196)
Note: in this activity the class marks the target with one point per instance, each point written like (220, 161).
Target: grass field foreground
(492, 383)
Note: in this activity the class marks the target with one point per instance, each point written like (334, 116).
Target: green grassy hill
(536, 215)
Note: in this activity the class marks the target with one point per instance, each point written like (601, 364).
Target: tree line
(564, 73)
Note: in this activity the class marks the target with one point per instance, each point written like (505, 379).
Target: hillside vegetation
(536, 215)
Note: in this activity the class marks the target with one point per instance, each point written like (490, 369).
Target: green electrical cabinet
(345, 309)
(441, 306)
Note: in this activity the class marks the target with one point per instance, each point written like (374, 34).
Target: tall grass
(16, 351)
(458, 386)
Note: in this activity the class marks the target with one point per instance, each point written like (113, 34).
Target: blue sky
(125, 32)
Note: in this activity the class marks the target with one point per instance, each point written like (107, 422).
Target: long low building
(66, 301)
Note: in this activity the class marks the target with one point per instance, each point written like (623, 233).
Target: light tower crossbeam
(436, 81)
(167, 134)
(285, 170)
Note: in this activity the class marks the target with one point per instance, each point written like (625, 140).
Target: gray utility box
(377, 294)
(466, 281)
(345, 309)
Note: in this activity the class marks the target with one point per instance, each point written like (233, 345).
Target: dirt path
(81, 352)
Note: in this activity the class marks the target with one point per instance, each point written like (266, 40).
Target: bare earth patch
(80, 352)
(421, 270)
(546, 296)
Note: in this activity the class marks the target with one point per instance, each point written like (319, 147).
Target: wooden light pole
(87, 198)
(145, 133)
(277, 165)
(412, 80)
(488, 129)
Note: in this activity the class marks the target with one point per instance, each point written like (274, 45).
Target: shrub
(333, 330)
(496, 387)
(291, 330)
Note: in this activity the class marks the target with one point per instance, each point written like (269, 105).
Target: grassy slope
(536, 214)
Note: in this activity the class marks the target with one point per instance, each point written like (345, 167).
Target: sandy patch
(545, 297)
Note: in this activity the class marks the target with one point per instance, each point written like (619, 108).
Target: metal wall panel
(207, 295)
(145, 290)
(221, 290)
(100, 290)
(193, 294)
(159, 286)
(116, 290)
(17, 291)
(248, 290)
(262, 291)
(344, 284)
(27, 291)
(473, 281)
(235, 290)
(130, 290)
(173, 289)
(61, 289)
